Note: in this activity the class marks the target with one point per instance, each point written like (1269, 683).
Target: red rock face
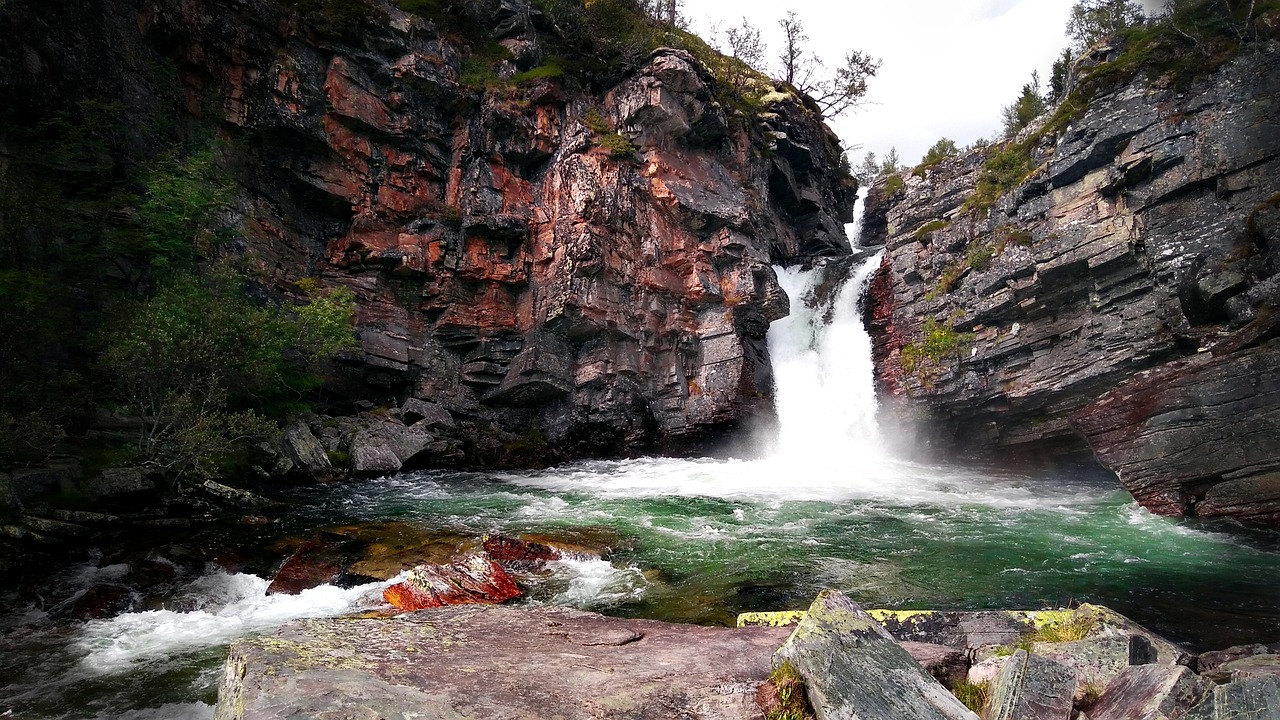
(476, 579)
(505, 265)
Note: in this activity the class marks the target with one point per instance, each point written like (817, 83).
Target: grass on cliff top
(1193, 41)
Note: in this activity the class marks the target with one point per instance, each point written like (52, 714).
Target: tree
(1029, 105)
(835, 93)
(944, 148)
(1092, 20)
(891, 164)
(743, 44)
(1060, 75)
(202, 366)
(869, 170)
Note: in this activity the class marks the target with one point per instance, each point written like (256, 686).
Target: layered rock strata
(1123, 294)
(588, 263)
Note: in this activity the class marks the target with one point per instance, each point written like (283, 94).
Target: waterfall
(824, 388)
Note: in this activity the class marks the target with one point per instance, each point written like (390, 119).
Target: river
(697, 540)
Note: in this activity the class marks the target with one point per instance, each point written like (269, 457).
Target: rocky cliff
(579, 258)
(1122, 293)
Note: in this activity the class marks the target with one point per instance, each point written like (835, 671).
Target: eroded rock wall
(508, 266)
(1123, 295)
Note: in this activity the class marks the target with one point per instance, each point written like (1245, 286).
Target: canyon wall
(1121, 296)
(580, 258)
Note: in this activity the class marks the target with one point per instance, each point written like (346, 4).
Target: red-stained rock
(476, 579)
(503, 548)
(318, 561)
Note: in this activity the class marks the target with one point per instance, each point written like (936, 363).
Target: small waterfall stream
(698, 540)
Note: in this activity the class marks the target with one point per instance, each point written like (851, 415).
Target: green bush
(203, 366)
(605, 136)
(940, 151)
(549, 70)
(938, 342)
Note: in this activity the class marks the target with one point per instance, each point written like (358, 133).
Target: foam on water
(228, 606)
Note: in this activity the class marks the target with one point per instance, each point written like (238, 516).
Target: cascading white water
(824, 390)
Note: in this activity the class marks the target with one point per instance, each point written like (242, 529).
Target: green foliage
(926, 231)
(940, 151)
(1077, 627)
(339, 18)
(973, 695)
(1093, 20)
(893, 185)
(550, 69)
(1005, 168)
(938, 342)
(203, 366)
(182, 195)
(792, 704)
(1029, 106)
(28, 438)
(605, 136)
(339, 459)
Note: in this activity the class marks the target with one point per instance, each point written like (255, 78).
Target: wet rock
(56, 528)
(505, 549)
(383, 447)
(1257, 697)
(852, 668)
(1150, 692)
(103, 600)
(475, 579)
(1246, 667)
(451, 662)
(1030, 687)
(384, 550)
(321, 560)
(235, 497)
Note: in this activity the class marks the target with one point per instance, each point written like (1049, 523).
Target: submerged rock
(854, 669)
(480, 663)
(476, 579)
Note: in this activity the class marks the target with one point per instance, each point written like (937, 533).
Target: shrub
(893, 185)
(605, 136)
(940, 151)
(1005, 168)
(790, 700)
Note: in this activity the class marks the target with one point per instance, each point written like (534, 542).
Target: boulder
(1211, 660)
(1030, 687)
(416, 410)
(986, 671)
(1150, 692)
(1252, 699)
(386, 549)
(1246, 667)
(484, 662)
(475, 579)
(370, 459)
(1097, 660)
(854, 669)
(383, 447)
(26, 483)
(301, 446)
(235, 497)
(120, 481)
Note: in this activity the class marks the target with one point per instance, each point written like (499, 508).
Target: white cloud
(949, 66)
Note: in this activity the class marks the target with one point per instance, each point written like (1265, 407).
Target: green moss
(791, 701)
(973, 695)
(938, 342)
(925, 232)
(339, 459)
(550, 69)
(893, 185)
(1005, 168)
(605, 136)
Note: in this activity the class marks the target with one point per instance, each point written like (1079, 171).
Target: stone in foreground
(1150, 692)
(854, 670)
(1253, 699)
(484, 662)
(1030, 687)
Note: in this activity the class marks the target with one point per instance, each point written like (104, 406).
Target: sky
(948, 66)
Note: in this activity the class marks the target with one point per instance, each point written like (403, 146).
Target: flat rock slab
(854, 670)
(514, 663)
